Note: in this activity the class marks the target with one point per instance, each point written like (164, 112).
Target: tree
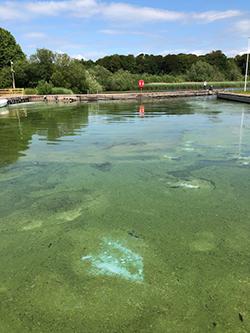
(9, 49)
(241, 61)
(43, 62)
(202, 71)
(218, 59)
(92, 84)
(5, 78)
(102, 75)
(122, 81)
(233, 71)
(44, 88)
(69, 73)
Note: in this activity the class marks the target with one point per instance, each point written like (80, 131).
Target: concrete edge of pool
(106, 97)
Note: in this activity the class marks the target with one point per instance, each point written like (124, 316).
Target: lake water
(117, 220)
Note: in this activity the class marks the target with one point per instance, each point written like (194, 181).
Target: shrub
(61, 91)
(30, 91)
(44, 88)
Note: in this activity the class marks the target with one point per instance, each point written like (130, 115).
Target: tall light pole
(13, 74)
(248, 46)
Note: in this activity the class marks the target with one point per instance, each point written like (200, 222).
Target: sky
(91, 29)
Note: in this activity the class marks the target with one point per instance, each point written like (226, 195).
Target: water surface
(117, 220)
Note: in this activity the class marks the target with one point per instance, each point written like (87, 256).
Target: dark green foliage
(5, 78)
(202, 71)
(44, 88)
(241, 61)
(217, 59)
(9, 49)
(122, 81)
(43, 62)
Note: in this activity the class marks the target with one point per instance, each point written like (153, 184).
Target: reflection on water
(125, 217)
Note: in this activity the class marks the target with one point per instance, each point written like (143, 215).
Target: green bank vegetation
(46, 72)
(242, 92)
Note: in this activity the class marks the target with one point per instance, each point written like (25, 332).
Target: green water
(112, 220)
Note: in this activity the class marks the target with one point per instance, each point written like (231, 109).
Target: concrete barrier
(234, 97)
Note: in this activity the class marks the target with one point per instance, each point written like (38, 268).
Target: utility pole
(13, 74)
(248, 46)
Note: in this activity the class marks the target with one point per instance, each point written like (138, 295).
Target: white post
(13, 74)
(248, 46)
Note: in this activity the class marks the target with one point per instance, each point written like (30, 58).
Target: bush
(123, 81)
(61, 91)
(44, 88)
(30, 91)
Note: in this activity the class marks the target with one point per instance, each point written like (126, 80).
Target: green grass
(61, 91)
(242, 92)
(156, 86)
(55, 91)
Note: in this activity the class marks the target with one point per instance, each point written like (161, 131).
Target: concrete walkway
(107, 96)
(243, 98)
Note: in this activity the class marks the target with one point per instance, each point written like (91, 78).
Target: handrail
(16, 91)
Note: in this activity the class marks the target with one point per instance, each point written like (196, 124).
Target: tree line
(49, 72)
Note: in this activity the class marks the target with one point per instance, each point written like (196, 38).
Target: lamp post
(13, 74)
(248, 46)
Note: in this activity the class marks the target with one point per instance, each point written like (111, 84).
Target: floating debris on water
(116, 260)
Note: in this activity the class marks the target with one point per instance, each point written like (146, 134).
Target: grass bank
(149, 87)
(242, 92)
(191, 85)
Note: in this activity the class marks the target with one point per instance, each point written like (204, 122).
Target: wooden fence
(17, 91)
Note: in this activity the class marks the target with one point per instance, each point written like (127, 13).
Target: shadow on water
(51, 123)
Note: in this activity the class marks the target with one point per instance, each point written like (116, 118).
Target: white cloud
(35, 35)
(234, 52)
(121, 12)
(119, 32)
(243, 27)
(212, 16)
(87, 55)
(78, 57)
(126, 12)
(83, 8)
(8, 12)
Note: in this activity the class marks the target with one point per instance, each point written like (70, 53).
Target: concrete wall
(234, 97)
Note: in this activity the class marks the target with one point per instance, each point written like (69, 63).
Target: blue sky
(94, 28)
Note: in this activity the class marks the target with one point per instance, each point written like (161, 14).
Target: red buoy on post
(141, 84)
